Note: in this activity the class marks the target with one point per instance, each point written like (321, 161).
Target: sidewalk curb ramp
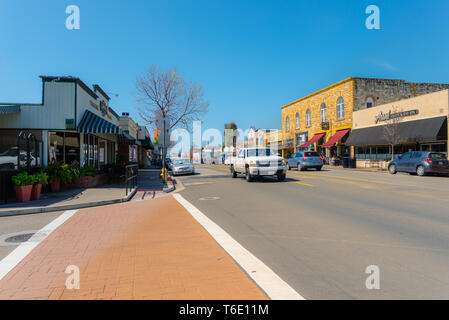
(20, 211)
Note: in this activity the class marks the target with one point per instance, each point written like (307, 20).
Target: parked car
(420, 162)
(258, 162)
(168, 164)
(303, 160)
(182, 166)
(8, 158)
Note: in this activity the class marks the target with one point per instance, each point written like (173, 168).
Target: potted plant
(23, 184)
(38, 180)
(57, 173)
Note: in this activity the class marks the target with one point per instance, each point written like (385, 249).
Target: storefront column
(44, 148)
(81, 149)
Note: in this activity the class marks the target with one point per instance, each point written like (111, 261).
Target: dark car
(303, 160)
(168, 164)
(420, 162)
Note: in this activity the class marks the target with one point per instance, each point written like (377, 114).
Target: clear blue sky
(251, 57)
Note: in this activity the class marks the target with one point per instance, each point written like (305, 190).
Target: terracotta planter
(36, 192)
(56, 185)
(90, 181)
(23, 193)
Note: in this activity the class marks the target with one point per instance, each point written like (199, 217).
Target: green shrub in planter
(23, 179)
(40, 178)
(58, 170)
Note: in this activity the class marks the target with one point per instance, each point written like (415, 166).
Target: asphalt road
(18, 225)
(319, 231)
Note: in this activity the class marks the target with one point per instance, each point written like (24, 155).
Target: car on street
(168, 164)
(303, 160)
(258, 162)
(420, 163)
(8, 159)
(182, 166)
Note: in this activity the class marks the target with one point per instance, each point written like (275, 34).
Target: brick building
(322, 120)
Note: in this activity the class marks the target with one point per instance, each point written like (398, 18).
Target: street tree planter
(55, 185)
(23, 193)
(36, 192)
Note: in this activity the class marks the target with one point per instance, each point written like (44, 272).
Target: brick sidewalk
(143, 250)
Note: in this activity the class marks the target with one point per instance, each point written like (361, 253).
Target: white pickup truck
(258, 162)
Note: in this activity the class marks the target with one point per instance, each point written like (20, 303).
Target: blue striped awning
(9, 108)
(91, 123)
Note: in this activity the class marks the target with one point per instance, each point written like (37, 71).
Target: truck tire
(233, 173)
(248, 175)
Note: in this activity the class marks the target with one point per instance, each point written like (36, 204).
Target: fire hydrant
(164, 175)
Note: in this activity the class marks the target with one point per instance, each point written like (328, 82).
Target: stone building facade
(325, 117)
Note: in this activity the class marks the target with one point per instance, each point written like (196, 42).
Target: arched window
(297, 121)
(287, 124)
(323, 112)
(369, 102)
(340, 108)
(308, 118)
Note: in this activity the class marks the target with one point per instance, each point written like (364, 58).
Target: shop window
(71, 148)
(56, 147)
(340, 108)
(297, 121)
(308, 118)
(287, 124)
(323, 112)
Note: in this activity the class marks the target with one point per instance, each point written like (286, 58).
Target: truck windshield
(259, 152)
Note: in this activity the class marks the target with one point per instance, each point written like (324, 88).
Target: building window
(323, 112)
(340, 108)
(308, 118)
(287, 124)
(297, 121)
(369, 102)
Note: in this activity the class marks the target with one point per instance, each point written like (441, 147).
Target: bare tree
(164, 93)
(391, 131)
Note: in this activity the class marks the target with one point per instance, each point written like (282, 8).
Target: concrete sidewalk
(69, 199)
(138, 250)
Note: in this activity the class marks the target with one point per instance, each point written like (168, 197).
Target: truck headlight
(281, 162)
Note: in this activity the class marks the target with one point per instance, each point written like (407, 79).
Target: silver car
(303, 160)
(182, 166)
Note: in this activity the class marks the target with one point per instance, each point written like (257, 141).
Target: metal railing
(131, 172)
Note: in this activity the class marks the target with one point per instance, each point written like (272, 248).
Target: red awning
(335, 138)
(314, 139)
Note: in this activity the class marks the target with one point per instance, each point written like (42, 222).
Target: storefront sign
(325, 126)
(103, 108)
(393, 115)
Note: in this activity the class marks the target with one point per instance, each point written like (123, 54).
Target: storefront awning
(9, 109)
(314, 139)
(426, 130)
(335, 138)
(146, 143)
(126, 138)
(91, 123)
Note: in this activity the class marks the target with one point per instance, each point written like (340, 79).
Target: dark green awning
(147, 144)
(91, 123)
(425, 130)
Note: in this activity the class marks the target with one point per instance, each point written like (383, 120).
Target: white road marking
(17, 255)
(270, 282)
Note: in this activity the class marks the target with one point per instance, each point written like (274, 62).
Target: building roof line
(319, 91)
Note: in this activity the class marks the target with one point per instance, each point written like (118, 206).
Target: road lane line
(339, 177)
(213, 168)
(18, 254)
(262, 275)
(301, 183)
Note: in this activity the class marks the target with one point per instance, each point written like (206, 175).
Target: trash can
(352, 163)
(345, 161)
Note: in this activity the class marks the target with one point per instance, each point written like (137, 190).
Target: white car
(8, 159)
(258, 162)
